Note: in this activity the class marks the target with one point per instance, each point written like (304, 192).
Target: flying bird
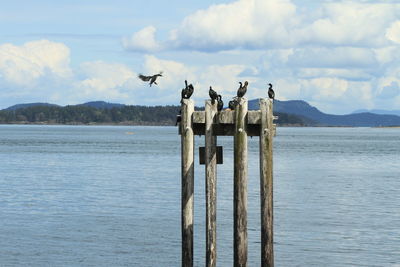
(220, 103)
(271, 93)
(152, 78)
(187, 91)
(242, 89)
(213, 95)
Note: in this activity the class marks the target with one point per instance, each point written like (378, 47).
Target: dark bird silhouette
(213, 95)
(178, 118)
(271, 93)
(220, 103)
(242, 89)
(152, 78)
(233, 103)
(187, 91)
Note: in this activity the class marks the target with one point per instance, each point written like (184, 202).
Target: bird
(242, 89)
(213, 95)
(151, 78)
(178, 118)
(220, 103)
(271, 93)
(187, 91)
(233, 103)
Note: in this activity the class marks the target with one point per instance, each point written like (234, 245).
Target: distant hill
(27, 105)
(302, 108)
(100, 112)
(378, 111)
(102, 105)
(293, 112)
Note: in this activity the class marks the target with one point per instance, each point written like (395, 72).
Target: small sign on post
(202, 155)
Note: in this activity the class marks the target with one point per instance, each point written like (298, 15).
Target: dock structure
(239, 123)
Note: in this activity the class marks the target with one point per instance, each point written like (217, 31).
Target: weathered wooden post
(187, 154)
(240, 185)
(239, 123)
(266, 183)
(211, 184)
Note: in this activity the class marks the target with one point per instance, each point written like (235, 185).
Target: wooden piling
(266, 183)
(239, 123)
(187, 155)
(240, 185)
(211, 184)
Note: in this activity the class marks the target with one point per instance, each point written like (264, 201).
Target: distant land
(290, 113)
(302, 108)
(378, 111)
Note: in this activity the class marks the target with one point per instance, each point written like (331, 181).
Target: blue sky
(337, 55)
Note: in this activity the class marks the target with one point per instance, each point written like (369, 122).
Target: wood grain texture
(187, 157)
(240, 185)
(211, 184)
(267, 131)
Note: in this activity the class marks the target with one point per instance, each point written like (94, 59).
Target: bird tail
(144, 78)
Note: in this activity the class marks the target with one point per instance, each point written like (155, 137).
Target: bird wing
(144, 78)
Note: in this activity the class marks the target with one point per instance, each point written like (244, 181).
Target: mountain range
(302, 108)
(309, 115)
(378, 111)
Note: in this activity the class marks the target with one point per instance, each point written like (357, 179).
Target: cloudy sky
(337, 55)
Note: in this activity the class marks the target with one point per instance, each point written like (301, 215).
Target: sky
(339, 56)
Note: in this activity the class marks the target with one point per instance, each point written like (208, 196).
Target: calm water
(110, 196)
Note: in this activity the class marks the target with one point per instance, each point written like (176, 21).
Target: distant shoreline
(166, 124)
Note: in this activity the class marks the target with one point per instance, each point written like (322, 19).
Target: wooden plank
(227, 117)
(211, 184)
(240, 185)
(199, 117)
(187, 155)
(226, 129)
(267, 132)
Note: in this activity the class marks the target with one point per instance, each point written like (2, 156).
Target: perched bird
(178, 118)
(271, 93)
(213, 95)
(233, 103)
(242, 89)
(152, 78)
(220, 103)
(187, 91)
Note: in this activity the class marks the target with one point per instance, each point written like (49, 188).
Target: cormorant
(187, 91)
(152, 78)
(233, 103)
(220, 103)
(178, 118)
(213, 95)
(242, 89)
(271, 93)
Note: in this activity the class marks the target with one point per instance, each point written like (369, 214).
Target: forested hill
(81, 114)
(105, 114)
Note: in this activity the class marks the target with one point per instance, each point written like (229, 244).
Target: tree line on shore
(124, 115)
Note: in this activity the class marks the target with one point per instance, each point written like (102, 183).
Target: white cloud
(244, 23)
(339, 57)
(27, 64)
(143, 40)
(393, 32)
(324, 88)
(341, 73)
(350, 23)
(104, 80)
(260, 24)
(389, 91)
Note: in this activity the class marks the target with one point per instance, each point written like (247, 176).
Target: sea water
(110, 196)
